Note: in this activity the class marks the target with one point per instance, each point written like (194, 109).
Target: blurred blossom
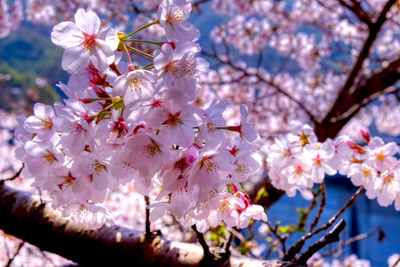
(41, 82)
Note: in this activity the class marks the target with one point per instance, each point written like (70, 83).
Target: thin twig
(143, 41)
(260, 60)
(350, 241)
(312, 205)
(321, 208)
(299, 244)
(16, 175)
(237, 234)
(140, 29)
(260, 77)
(148, 232)
(281, 239)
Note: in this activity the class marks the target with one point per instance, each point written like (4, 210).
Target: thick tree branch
(376, 85)
(345, 93)
(330, 237)
(203, 243)
(23, 216)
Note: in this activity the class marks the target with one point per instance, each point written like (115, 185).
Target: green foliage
(303, 213)
(244, 248)
(218, 235)
(287, 228)
(30, 51)
(261, 193)
(24, 79)
(27, 54)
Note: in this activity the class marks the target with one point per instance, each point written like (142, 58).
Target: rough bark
(25, 217)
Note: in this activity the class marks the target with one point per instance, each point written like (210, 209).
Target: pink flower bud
(172, 44)
(365, 134)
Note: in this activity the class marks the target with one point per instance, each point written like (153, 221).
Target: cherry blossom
(84, 42)
(185, 135)
(173, 15)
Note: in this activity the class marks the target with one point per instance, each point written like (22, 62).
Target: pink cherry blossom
(173, 15)
(84, 42)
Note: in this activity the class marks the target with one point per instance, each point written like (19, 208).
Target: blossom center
(47, 123)
(177, 16)
(366, 172)
(98, 167)
(151, 149)
(317, 160)
(388, 178)
(298, 170)
(68, 180)
(49, 157)
(173, 119)
(380, 156)
(120, 127)
(128, 167)
(211, 126)
(89, 42)
(135, 84)
(208, 164)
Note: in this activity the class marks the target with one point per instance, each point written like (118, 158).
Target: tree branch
(358, 11)
(348, 242)
(147, 201)
(321, 208)
(330, 237)
(374, 86)
(281, 239)
(299, 244)
(16, 175)
(203, 243)
(23, 216)
(345, 93)
(271, 83)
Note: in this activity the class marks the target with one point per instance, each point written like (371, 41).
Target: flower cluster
(298, 160)
(123, 123)
(350, 260)
(8, 165)
(251, 36)
(10, 17)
